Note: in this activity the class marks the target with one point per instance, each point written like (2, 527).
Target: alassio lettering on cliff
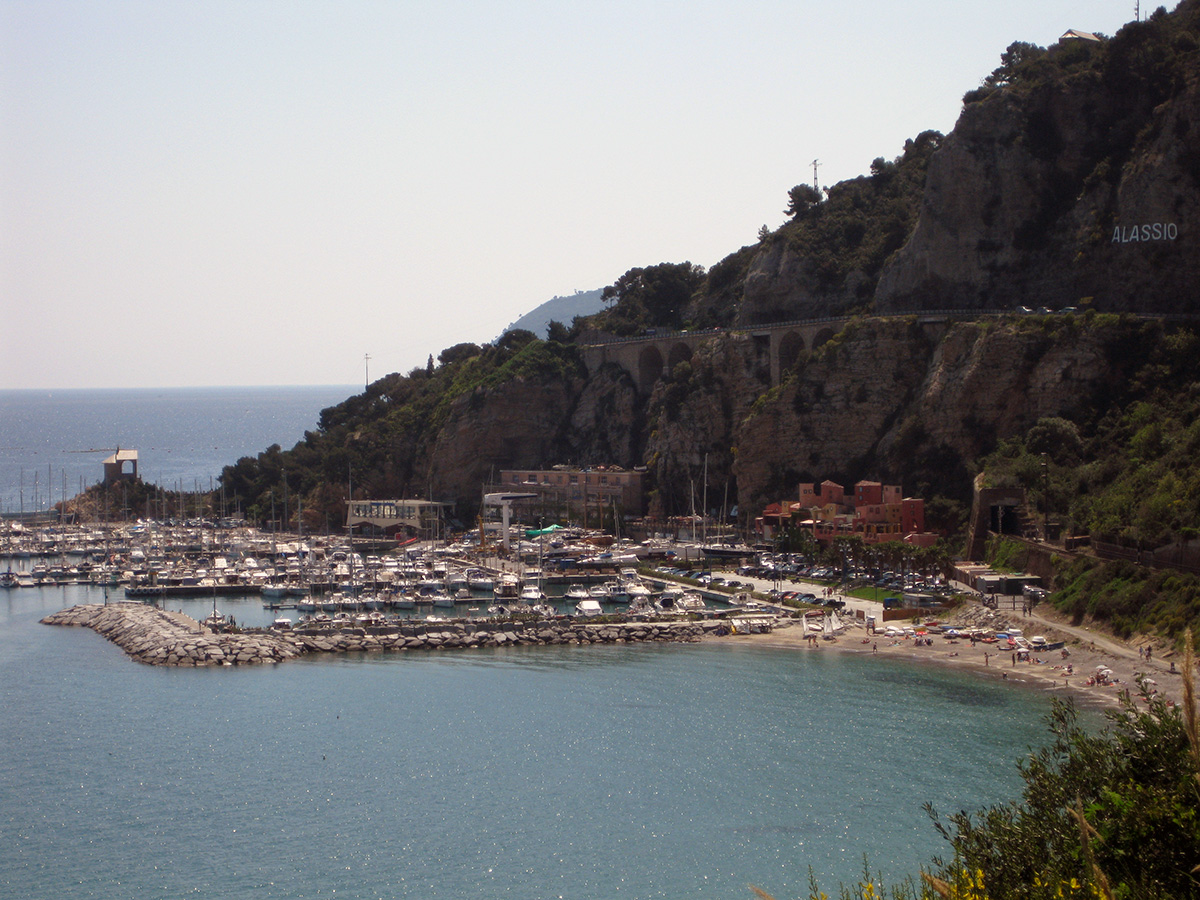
(1155, 231)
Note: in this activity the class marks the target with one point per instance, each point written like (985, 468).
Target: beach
(1088, 652)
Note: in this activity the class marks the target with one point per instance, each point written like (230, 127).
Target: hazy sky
(233, 192)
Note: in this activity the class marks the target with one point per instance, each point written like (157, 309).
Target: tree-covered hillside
(378, 442)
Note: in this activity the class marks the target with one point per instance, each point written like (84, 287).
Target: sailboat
(215, 620)
(832, 626)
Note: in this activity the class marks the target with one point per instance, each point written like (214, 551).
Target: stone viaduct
(647, 358)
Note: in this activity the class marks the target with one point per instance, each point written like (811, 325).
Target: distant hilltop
(559, 309)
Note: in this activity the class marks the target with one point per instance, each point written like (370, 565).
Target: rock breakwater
(161, 638)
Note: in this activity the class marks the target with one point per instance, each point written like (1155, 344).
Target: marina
(305, 578)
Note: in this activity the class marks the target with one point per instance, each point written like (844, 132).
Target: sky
(246, 192)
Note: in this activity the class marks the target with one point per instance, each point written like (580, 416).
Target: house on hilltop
(114, 467)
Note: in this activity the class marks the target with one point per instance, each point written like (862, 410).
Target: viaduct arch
(650, 358)
(777, 347)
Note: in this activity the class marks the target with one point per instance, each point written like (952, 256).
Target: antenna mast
(816, 187)
(366, 371)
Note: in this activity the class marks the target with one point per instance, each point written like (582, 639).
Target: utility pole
(1045, 497)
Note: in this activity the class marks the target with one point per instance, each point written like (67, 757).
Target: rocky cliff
(1070, 179)
(1070, 182)
(892, 399)
(886, 398)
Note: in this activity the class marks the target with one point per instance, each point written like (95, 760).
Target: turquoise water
(655, 771)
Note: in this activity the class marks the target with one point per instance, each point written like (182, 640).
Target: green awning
(533, 532)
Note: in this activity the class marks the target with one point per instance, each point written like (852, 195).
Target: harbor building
(591, 495)
(413, 518)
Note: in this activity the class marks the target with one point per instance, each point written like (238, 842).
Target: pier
(160, 638)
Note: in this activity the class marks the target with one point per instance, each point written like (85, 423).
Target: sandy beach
(1087, 651)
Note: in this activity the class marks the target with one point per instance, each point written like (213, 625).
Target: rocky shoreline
(161, 638)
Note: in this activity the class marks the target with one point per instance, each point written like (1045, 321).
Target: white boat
(507, 587)
(479, 580)
(831, 627)
(668, 600)
(531, 593)
(638, 592)
(577, 592)
(273, 594)
(588, 607)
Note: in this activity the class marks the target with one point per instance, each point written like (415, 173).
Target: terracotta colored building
(873, 511)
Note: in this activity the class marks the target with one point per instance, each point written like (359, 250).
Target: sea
(635, 771)
(53, 443)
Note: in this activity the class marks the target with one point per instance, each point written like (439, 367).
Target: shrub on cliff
(1113, 814)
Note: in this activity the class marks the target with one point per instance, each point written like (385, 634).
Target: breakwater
(162, 638)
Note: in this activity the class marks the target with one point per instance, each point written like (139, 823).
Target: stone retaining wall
(160, 638)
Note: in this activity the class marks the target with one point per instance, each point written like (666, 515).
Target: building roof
(122, 456)
(1075, 34)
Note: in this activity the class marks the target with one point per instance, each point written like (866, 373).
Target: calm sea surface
(661, 771)
(53, 442)
(658, 771)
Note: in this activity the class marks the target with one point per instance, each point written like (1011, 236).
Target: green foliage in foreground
(1114, 814)
(1138, 786)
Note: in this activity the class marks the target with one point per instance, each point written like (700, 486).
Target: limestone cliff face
(781, 285)
(1073, 193)
(692, 422)
(889, 400)
(607, 421)
(1071, 179)
(983, 384)
(518, 424)
(826, 420)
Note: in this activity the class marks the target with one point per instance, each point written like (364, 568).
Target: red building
(874, 512)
